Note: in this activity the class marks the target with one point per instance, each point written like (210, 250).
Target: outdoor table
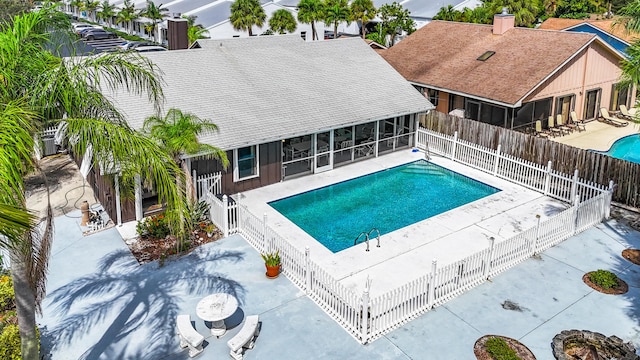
(216, 308)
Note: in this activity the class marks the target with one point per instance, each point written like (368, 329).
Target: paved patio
(598, 136)
(102, 305)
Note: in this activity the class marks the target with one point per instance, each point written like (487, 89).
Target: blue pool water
(627, 148)
(387, 200)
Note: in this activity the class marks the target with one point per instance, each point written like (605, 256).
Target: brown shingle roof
(443, 54)
(604, 25)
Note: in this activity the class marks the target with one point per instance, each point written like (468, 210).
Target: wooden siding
(594, 68)
(270, 157)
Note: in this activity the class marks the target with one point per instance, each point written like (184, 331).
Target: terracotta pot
(272, 271)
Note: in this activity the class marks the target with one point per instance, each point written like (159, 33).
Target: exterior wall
(270, 157)
(595, 67)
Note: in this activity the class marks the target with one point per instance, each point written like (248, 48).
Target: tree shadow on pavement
(136, 305)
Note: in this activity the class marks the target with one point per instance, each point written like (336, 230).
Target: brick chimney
(503, 22)
(177, 28)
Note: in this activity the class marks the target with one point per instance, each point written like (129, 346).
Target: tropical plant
(362, 11)
(195, 31)
(630, 17)
(177, 133)
(309, 12)
(127, 15)
(499, 349)
(448, 13)
(91, 6)
(38, 86)
(155, 226)
(76, 5)
(525, 11)
(377, 36)
(395, 18)
(107, 11)
(245, 14)
(603, 278)
(155, 13)
(271, 258)
(336, 12)
(282, 22)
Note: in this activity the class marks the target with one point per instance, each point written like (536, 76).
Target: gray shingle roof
(267, 88)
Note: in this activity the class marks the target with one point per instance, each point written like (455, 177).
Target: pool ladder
(367, 237)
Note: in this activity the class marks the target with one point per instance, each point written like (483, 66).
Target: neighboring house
(213, 15)
(614, 35)
(284, 107)
(509, 76)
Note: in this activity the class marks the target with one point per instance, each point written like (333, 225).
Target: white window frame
(236, 172)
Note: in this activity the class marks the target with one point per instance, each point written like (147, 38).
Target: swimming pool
(388, 200)
(627, 148)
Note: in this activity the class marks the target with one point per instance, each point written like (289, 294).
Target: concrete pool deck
(125, 311)
(406, 254)
(598, 136)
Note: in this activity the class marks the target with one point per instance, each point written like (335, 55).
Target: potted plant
(210, 229)
(272, 263)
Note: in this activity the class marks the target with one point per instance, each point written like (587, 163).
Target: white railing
(208, 183)
(367, 319)
(525, 173)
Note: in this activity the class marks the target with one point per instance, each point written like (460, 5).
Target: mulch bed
(632, 255)
(522, 351)
(622, 287)
(147, 249)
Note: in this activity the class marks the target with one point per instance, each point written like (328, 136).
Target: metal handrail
(378, 231)
(366, 239)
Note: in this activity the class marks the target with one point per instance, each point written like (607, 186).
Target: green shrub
(10, 343)
(500, 350)
(603, 278)
(7, 296)
(154, 226)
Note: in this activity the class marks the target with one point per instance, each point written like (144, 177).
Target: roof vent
(486, 55)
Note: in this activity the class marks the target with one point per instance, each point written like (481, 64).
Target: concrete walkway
(102, 305)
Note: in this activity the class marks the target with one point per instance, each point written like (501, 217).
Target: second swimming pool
(387, 200)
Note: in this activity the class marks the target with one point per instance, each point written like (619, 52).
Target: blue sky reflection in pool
(627, 148)
(387, 200)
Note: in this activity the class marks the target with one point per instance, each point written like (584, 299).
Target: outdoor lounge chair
(606, 118)
(579, 124)
(626, 113)
(539, 131)
(554, 130)
(560, 124)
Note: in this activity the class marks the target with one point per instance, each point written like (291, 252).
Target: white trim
(236, 174)
(449, 91)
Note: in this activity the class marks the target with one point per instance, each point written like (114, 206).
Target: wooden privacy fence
(366, 318)
(592, 166)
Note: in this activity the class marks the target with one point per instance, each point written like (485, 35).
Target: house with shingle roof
(615, 35)
(284, 107)
(509, 76)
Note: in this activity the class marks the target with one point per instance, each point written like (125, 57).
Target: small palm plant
(271, 259)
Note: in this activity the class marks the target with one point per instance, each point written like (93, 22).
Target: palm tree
(195, 31)
(245, 14)
(310, 11)
(282, 22)
(335, 12)
(76, 5)
(363, 11)
(107, 11)
(36, 85)
(177, 133)
(630, 17)
(156, 14)
(127, 15)
(91, 6)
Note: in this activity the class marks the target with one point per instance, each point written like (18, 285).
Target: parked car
(94, 34)
(149, 48)
(129, 45)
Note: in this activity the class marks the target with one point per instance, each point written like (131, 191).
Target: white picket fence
(207, 183)
(365, 318)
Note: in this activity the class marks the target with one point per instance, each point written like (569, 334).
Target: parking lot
(98, 46)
